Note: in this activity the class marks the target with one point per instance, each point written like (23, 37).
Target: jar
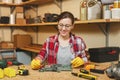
(83, 10)
(117, 4)
(107, 13)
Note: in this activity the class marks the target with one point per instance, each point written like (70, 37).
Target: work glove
(77, 62)
(36, 64)
(1, 73)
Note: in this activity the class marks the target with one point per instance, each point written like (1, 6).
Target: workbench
(62, 75)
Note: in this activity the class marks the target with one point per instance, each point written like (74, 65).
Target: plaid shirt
(50, 48)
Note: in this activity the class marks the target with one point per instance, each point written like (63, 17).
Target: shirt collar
(71, 38)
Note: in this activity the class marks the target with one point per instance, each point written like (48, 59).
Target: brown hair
(66, 14)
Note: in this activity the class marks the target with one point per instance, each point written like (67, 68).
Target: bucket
(94, 10)
(115, 13)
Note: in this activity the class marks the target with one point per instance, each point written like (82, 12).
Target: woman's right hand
(36, 64)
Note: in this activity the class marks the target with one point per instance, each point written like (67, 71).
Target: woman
(63, 47)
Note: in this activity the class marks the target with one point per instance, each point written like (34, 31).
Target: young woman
(63, 47)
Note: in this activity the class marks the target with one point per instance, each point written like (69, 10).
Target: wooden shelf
(32, 48)
(91, 21)
(29, 25)
(30, 2)
(55, 23)
(38, 2)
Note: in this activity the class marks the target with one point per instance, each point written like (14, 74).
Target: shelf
(30, 2)
(105, 30)
(55, 23)
(2, 51)
(38, 2)
(32, 48)
(91, 21)
(98, 21)
(28, 25)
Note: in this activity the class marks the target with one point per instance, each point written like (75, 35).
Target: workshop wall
(91, 33)
(5, 32)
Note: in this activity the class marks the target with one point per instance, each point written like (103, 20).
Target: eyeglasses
(66, 26)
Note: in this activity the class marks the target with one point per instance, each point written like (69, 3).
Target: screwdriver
(83, 75)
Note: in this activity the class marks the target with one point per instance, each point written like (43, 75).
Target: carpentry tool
(3, 64)
(89, 66)
(97, 71)
(113, 71)
(84, 71)
(56, 68)
(83, 75)
(22, 70)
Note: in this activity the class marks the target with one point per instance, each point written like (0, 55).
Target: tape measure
(22, 70)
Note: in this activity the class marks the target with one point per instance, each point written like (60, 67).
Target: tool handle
(97, 71)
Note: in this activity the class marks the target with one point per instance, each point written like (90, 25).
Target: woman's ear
(72, 27)
(56, 27)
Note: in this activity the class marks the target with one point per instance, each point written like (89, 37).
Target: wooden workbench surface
(63, 75)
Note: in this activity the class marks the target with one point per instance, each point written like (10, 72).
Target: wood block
(20, 15)
(19, 10)
(22, 40)
(6, 45)
(20, 21)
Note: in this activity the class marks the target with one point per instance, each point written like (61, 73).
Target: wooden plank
(91, 21)
(31, 50)
(114, 20)
(30, 2)
(55, 23)
(38, 2)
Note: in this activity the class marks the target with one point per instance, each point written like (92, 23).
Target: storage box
(104, 54)
(115, 13)
(107, 1)
(19, 10)
(22, 40)
(94, 11)
(20, 15)
(20, 21)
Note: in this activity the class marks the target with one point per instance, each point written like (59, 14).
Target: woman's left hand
(77, 62)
